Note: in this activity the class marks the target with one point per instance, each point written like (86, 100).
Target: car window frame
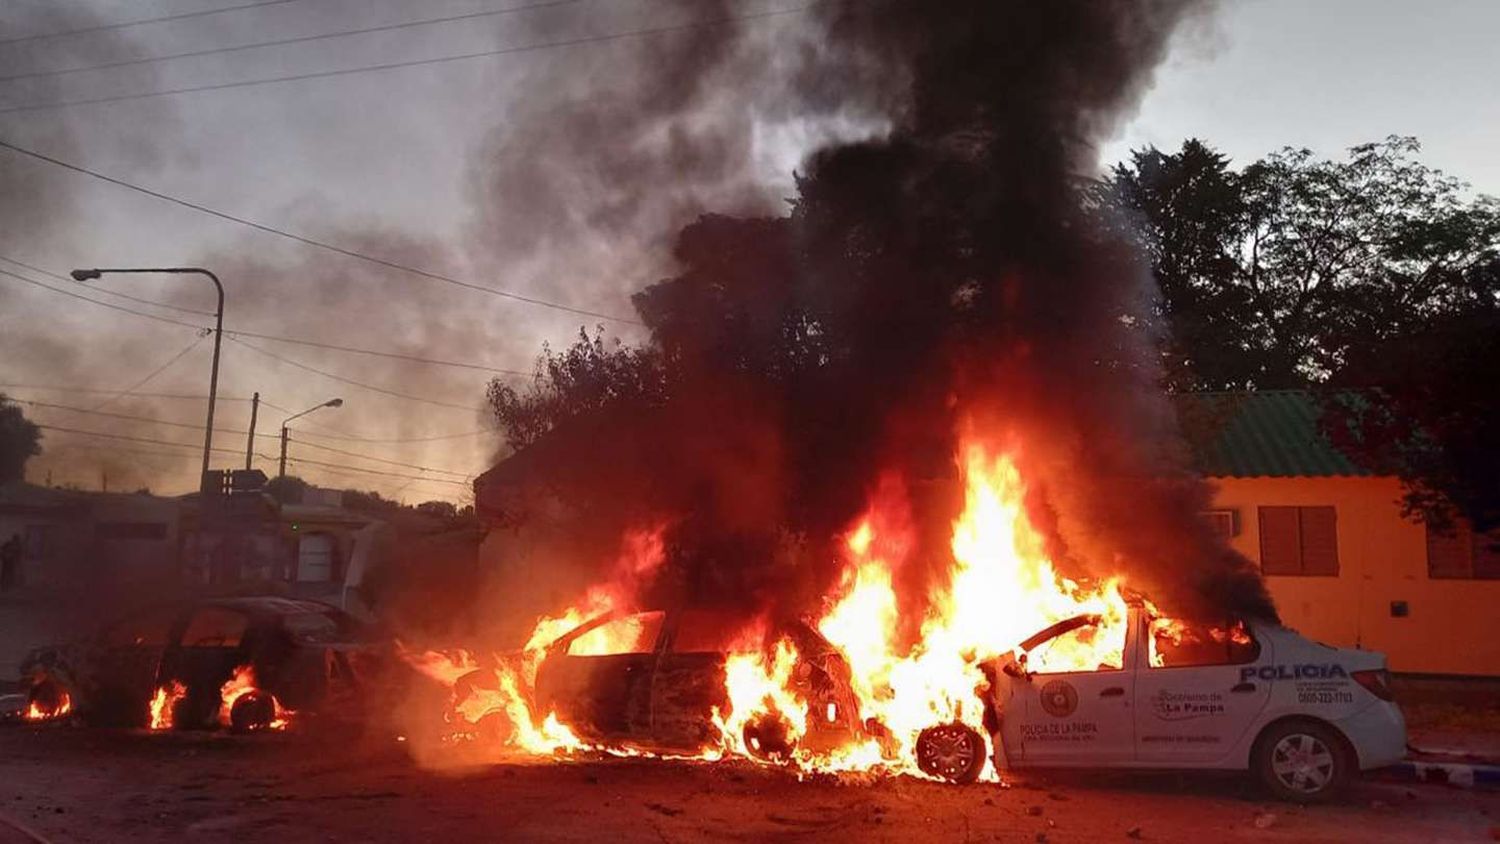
(175, 616)
(565, 642)
(1150, 640)
(1062, 628)
(246, 635)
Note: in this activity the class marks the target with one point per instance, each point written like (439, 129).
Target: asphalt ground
(73, 784)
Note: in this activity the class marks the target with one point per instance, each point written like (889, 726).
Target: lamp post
(281, 464)
(213, 379)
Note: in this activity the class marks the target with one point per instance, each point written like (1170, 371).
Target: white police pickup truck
(1302, 716)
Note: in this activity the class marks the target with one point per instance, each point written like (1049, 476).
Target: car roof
(267, 605)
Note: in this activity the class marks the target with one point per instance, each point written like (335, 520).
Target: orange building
(1343, 563)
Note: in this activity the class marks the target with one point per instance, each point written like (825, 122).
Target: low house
(1344, 564)
(73, 537)
(313, 548)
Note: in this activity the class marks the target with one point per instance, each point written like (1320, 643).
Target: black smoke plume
(950, 274)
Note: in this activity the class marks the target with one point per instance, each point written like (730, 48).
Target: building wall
(1449, 628)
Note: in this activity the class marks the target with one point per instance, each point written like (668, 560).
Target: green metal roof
(1265, 433)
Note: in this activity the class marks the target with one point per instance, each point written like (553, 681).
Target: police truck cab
(1303, 717)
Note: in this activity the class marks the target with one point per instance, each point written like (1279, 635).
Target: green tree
(588, 378)
(20, 440)
(1270, 276)
(1423, 405)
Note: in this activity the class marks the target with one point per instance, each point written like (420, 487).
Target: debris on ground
(1133, 832)
(1265, 820)
(660, 809)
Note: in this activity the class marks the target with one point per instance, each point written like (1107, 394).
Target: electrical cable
(300, 39)
(176, 17)
(531, 300)
(500, 51)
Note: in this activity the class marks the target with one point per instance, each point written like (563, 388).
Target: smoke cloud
(947, 276)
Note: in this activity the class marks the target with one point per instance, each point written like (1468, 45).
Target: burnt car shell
(661, 693)
(309, 655)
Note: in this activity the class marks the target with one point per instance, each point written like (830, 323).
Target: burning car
(659, 680)
(246, 663)
(1303, 717)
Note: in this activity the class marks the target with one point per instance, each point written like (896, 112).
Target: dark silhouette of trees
(1269, 276)
(20, 440)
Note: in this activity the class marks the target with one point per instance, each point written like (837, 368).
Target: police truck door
(1076, 714)
(1194, 697)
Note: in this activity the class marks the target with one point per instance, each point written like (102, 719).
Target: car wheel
(954, 752)
(253, 711)
(1302, 762)
(50, 698)
(768, 739)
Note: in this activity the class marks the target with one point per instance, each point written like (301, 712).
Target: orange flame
(1000, 588)
(35, 711)
(163, 703)
(241, 684)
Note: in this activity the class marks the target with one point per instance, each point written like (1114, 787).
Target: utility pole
(281, 464)
(250, 441)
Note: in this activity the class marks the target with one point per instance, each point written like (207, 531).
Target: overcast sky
(393, 163)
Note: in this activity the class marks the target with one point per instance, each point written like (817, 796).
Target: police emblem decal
(1059, 698)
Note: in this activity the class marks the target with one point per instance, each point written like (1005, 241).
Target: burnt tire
(253, 711)
(954, 752)
(1302, 762)
(768, 739)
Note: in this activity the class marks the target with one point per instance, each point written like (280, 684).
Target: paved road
(74, 784)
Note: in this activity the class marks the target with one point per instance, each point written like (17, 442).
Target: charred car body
(654, 680)
(306, 655)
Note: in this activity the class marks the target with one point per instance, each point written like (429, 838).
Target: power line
(155, 372)
(109, 305)
(106, 290)
(393, 441)
(177, 17)
(501, 51)
(330, 448)
(312, 242)
(129, 438)
(174, 424)
(374, 353)
(352, 382)
(186, 396)
(153, 441)
(132, 418)
(307, 462)
(153, 421)
(301, 39)
(233, 332)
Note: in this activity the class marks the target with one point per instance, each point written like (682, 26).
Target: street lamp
(213, 380)
(281, 465)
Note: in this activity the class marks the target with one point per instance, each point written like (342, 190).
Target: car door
(214, 642)
(598, 677)
(124, 664)
(1076, 698)
(688, 683)
(1195, 698)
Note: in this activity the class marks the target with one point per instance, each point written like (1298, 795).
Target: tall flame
(1001, 586)
(163, 704)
